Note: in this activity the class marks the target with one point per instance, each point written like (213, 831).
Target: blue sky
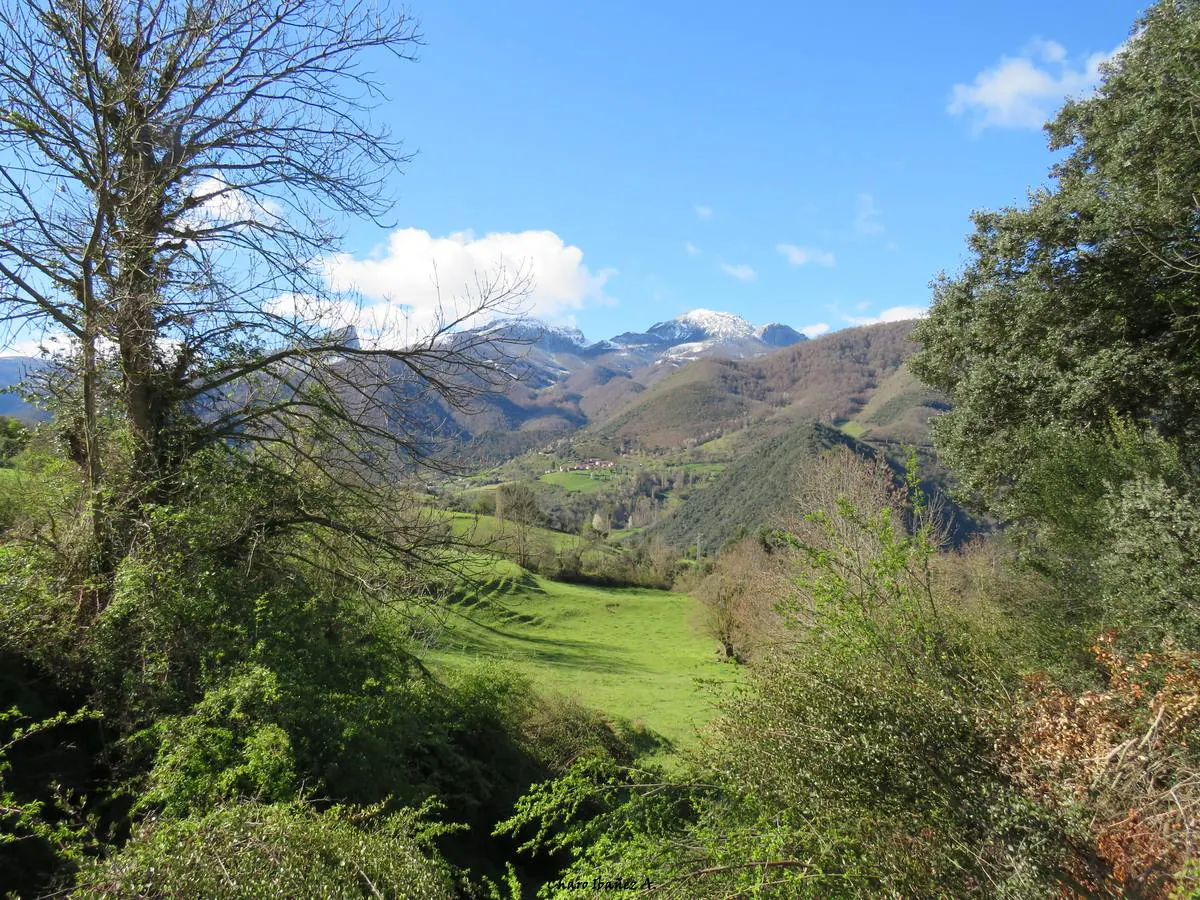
(808, 163)
(814, 164)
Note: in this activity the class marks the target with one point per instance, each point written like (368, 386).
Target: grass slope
(634, 653)
(898, 411)
(578, 482)
(703, 397)
(483, 530)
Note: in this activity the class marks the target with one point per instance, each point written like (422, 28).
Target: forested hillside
(296, 606)
(827, 380)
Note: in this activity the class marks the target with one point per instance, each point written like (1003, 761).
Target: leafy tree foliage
(13, 438)
(1083, 304)
(249, 850)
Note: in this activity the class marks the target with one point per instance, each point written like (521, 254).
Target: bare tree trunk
(89, 379)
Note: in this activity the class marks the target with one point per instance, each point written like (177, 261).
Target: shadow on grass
(586, 655)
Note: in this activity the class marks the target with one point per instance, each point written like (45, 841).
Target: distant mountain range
(766, 418)
(13, 369)
(564, 381)
(696, 334)
(707, 383)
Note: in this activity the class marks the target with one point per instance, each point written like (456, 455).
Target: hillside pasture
(632, 653)
(579, 482)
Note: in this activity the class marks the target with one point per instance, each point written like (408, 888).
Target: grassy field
(619, 534)
(482, 530)
(704, 468)
(634, 653)
(578, 482)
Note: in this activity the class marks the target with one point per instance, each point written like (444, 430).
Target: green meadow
(482, 530)
(632, 653)
(578, 482)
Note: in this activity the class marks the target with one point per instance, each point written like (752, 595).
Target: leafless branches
(173, 177)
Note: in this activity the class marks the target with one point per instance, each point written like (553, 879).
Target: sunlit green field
(578, 482)
(633, 653)
(483, 530)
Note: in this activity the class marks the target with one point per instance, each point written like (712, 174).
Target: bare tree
(850, 512)
(518, 510)
(171, 174)
(739, 598)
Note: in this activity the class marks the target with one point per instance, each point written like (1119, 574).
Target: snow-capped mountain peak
(560, 336)
(719, 325)
(696, 333)
(703, 325)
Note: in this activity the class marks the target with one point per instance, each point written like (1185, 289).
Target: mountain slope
(699, 401)
(751, 491)
(564, 382)
(760, 486)
(12, 370)
(829, 380)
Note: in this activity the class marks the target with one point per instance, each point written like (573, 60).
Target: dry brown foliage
(1124, 757)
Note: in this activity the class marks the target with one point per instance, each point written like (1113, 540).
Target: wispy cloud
(816, 330)
(26, 345)
(704, 213)
(741, 272)
(891, 314)
(868, 217)
(1023, 91)
(692, 249)
(803, 256)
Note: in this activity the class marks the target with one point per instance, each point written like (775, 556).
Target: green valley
(337, 561)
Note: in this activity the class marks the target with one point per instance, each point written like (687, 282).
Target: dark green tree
(13, 438)
(1082, 308)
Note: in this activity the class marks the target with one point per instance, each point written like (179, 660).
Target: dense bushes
(251, 850)
(244, 681)
(925, 723)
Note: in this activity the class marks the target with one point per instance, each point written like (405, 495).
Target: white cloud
(891, 314)
(704, 212)
(1023, 91)
(221, 204)
(802, 256)
(813, 331)
(1046, 50)
(692, 249)
(868, 217)
(27, 346)
(407, 283)
(741, 272)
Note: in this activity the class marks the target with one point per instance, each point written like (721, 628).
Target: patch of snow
(703, 325)
(536, 327)
(721, 326)
(689, 349)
